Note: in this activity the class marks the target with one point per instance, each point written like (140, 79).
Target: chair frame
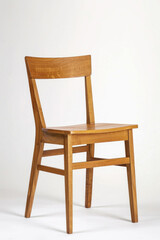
(51, 68)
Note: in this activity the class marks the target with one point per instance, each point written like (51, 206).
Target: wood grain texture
(38, 150)
(51, 170)
(89, 101)
(100, 163)
(36, 105)
(52, 138)
(90, 119)
(60, 151)
(99, 137)
(45, 68)
(68, 183)
(131, 178)
(89, 128)
(68, 136)
(89, 178)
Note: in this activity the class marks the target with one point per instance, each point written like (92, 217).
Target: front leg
(68, 182)
(131, 177)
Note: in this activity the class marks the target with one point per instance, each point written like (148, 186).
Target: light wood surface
(39, 145)
(69, 136)
(52, 138)
(100, 163)
(99, 137)
(60, 151)
(51, 170)
(90, 128)
(131, 178)
(90, 154)
(45, 68)
(33, 177)
(68, 183)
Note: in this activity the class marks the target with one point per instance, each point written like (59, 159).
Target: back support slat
(46, 68)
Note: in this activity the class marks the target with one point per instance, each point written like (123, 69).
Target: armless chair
(69, 136)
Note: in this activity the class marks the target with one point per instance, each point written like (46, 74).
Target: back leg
(89, 178)
(131, 178)
(38, 150)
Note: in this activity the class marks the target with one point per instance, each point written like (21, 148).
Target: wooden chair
(69, 136)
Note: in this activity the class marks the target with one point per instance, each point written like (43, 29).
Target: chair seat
(89, 128)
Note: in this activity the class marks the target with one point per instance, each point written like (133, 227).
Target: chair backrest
(52, 68)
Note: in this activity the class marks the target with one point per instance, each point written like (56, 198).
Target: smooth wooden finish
(52, 138)
(89, 128)
(131, 178)
(60, 151)
(89, 101)
(89, 177)
(45, 68)
(100, 163)
(69, 136)
(38, 149)
(34, 177)
(51, 170)
(101, 137)
(68, 182)
(90, 120)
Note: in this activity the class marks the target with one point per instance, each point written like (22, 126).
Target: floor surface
(99, 222)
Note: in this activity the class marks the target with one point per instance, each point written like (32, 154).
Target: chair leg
(68, 183)
(38, 150)
(131, 178)
(89, 178)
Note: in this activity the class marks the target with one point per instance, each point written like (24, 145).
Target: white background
(123, 38)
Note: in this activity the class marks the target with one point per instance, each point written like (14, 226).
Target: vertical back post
(90, 154)
(89, 100)
(37, 109)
